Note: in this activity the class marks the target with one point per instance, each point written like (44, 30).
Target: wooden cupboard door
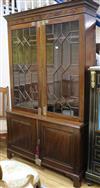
(57, 146)
(21, 135)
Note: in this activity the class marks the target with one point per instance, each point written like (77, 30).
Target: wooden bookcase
(50, 49)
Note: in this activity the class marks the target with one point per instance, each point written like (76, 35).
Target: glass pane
(62, 43)
(25, 68)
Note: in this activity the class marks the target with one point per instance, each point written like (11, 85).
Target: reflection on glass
(25, 68)
(62, 43)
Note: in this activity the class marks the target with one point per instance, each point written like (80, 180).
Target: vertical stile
(32, 4)
(18, 4)
(39, 3)
(35, 3)
(7, 7)
(25, 5)
(43, 3)
(13, 6)
(47, 2)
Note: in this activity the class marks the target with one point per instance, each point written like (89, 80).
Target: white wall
(4, 62)
(4, 58)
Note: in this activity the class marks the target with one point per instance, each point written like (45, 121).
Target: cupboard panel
(22, 135)
(58, 150)
(57, 145)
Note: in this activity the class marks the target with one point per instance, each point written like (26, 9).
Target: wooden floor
(48, 178)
